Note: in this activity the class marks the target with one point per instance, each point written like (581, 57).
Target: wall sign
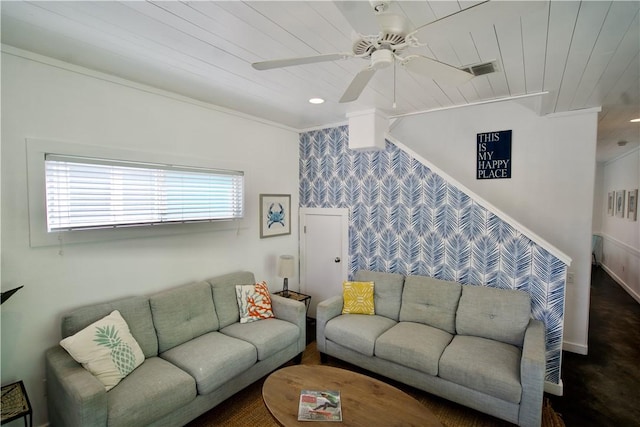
(494, 155)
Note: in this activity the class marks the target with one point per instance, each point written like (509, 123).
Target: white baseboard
(555, 389)
(575, 348)
(621, 282)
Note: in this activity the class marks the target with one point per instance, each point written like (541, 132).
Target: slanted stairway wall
(407, 219)
(551, 189)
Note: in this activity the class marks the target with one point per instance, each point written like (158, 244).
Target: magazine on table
(319, 405)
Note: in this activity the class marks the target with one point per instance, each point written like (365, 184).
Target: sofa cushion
(387, 291)
(155, 389)
(430, 301)
(357, 332)
(106, 348)
(183, 313)
(358, 298)
(413, 345)
(134, 310)
(212, 359)
(224, 295)
(254, 302)
(268, 336)
(484, 365)
(497, 314)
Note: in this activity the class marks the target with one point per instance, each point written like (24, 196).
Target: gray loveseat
(197, 354)
(474, 345)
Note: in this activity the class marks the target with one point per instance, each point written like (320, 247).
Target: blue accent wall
(406, 219)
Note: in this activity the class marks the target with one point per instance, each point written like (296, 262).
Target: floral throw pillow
(254, 302)
(106, 348)
(358, 298)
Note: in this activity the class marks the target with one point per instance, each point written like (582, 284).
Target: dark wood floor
(603, 387)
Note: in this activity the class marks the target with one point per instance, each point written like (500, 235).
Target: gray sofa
(474, 345)
(197, 354)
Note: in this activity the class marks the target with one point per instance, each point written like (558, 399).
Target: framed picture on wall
(275, 215)
(610, 202)
(632, 205)
(620, 203)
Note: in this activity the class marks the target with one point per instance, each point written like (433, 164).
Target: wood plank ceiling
(580, 54)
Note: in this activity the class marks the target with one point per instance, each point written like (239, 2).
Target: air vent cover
(481, 69)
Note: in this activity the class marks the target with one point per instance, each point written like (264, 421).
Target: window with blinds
(88, 193)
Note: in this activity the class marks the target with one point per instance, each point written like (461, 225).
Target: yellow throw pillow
(358, 298)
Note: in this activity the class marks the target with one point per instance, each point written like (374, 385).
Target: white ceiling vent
(481, 69)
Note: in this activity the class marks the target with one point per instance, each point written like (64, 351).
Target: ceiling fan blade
(357, 85)
(288, 62)
(439, 71)
(479, 15)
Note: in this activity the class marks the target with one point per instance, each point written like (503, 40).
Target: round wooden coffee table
(365, 401)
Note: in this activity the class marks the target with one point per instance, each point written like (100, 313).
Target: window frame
(37, 149)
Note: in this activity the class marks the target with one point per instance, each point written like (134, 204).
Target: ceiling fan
(395, 36)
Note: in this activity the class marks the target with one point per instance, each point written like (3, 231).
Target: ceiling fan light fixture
(381, 58)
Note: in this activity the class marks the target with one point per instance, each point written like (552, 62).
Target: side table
(15, 403)
(306, 299)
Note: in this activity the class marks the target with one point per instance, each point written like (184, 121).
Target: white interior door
(324, 243)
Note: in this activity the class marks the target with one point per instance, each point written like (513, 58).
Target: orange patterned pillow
(254, 302)
(358, 298)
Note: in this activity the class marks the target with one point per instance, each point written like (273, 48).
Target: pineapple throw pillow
(254, 302)
(106, 348)
(358, 298)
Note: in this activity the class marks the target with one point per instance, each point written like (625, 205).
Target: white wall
(551, 188)
(621, 237)
(47, 99)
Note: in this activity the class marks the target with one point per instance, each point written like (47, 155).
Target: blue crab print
(275, 217)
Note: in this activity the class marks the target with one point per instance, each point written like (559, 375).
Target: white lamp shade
(285, 266)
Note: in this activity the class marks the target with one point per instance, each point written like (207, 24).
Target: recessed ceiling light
(316, 100)
(635, 120)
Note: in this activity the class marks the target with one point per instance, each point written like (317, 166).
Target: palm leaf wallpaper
(406, 219)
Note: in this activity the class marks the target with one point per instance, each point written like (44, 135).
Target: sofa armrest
(325, 311)
(532, 373)
(74, 396)
(292, 311)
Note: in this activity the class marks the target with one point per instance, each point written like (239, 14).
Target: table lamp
(285, 270)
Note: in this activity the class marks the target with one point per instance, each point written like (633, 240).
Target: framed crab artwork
(275, 215)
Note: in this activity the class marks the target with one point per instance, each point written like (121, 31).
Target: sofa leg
(323, 358)
(298, 359)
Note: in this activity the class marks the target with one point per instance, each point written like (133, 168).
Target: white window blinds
(87, 193)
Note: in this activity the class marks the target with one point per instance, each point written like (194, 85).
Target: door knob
(337, 259)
